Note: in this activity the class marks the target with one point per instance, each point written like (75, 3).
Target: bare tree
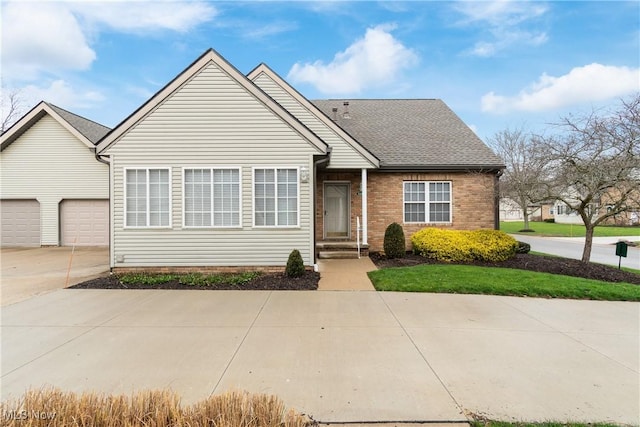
(10, 108)
(521, 181)
(596, 165)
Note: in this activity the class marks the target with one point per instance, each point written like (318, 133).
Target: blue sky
(497, 64)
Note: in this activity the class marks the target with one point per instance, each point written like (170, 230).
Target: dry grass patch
(53, 407)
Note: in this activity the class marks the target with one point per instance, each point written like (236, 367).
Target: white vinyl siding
(212, 197)
(211, 122)
(427, 202)
(148, 198)
(276, 197)
(49, 164)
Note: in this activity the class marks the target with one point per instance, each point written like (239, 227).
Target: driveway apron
(32, 271)
(337, 356)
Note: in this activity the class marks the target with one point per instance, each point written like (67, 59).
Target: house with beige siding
(53, 190)
(224, 170)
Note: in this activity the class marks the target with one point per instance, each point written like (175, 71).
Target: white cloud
(500, 12)
(590, 83)
(503, 20)
(143, 16)
(41, 36)
(503, 39)
(49, 37)
(374, 60)
(267, 30)
(62, 94)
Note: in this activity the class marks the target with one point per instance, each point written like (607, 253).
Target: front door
(336, 210)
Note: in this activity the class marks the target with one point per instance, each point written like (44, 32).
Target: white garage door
(20, 222)
(84, 222)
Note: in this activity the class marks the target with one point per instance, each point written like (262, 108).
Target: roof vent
(334, 117)
(346, 114)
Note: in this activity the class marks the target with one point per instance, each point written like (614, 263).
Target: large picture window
(147, 202)
(426, 201)
(275, 197)
(211, 197)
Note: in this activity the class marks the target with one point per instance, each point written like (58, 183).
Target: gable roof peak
(263, 68)
(87, 131)
(210, 55)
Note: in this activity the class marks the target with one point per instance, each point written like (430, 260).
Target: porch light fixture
(304, 174)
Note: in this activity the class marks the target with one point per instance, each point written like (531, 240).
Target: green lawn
(467, 279)
(568, 230)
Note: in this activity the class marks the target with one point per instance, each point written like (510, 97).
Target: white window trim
(124, 184)
(211, 168)
(427, 202)
(253, 197)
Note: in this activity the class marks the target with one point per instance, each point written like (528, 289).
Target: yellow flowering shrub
(464, 246)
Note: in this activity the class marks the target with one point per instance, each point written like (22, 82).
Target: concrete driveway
(32, 271)
(337, 355)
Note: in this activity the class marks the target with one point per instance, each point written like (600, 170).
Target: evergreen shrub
(394, 243)
(295, 264)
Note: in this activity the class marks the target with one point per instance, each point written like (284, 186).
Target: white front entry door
(336, 210)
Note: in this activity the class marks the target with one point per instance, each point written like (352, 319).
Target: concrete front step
(338, 254)
(337, 245)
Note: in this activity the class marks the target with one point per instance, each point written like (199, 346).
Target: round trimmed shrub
(295, 264)
(523, 248)
(464, 246)
(394, 243)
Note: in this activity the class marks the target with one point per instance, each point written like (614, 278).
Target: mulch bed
(309, 281)
(540, 263)
(266, 282)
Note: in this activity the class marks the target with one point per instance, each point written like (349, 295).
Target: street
(603, 250)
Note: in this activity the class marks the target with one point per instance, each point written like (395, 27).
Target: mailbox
(621, 249)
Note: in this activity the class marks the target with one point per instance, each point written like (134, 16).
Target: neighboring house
(543, 212)
(564, 214)
(219, 170)
(511, 211)
(53, 190)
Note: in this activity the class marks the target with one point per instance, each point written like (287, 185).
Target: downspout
(322, 161)
(100, 158)
(496, 200)
(108, 162)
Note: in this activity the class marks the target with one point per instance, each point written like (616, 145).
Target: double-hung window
(148, 198)
(426, 201)
(211, 197)
(276, 197)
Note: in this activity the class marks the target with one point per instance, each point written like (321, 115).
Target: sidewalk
(337, 356)
(345, 274)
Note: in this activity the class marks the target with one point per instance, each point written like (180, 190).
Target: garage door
(84, 222)
(20, 222)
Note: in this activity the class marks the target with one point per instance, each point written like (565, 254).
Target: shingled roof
(93, 131)
(412, 133)
(87, 131)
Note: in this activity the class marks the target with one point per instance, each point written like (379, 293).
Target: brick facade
(473, 204)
